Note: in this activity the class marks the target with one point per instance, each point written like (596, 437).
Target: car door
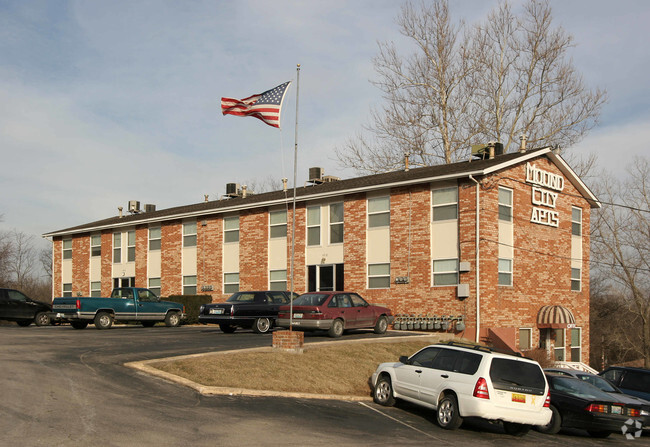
(4, 304)
(20, 306)
(439, 375)
(275, 300)
(365, 316)
(409, 377)
(341, 306)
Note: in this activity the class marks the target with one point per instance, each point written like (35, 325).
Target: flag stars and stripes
(264, 106)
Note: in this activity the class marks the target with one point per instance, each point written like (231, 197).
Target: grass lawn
(338, 368)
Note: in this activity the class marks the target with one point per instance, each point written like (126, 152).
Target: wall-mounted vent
(462, 291)
(232, 189)
(134, 206)
(149, 208)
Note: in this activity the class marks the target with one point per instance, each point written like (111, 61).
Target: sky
(105, 102)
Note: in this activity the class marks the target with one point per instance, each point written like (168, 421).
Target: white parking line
(404, 423)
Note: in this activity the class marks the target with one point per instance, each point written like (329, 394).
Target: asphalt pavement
(62, 386)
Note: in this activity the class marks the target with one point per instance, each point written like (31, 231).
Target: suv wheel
(42, 319)
(383, 394)
(554, 425)
(447, 413)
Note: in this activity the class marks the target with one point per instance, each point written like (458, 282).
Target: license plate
(297, 315)
(216, 311)
(521, 398)
(60, 315)
(616, 409)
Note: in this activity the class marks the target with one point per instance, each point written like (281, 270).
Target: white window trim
(318, 225)
(150, 239)
(186, 225)
(505, 271)
(507, 205)
(444, 272)
(576, 221)
(64, 250)
(530, 337)
(578, 279)
(440, 205)
(579, 347)
(230, 283)
(331, 224)
(369, 276)
(271, 281)
(231, 230)
(378, 213)
(129, 247)
(278, 225)
(95, 246)
(116, 249)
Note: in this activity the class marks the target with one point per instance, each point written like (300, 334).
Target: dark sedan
(16, 306)
(635, 381)
(257, 310)
(334, 312)
(578, 404)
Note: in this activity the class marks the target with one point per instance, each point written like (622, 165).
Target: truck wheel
(172, 319)
(42, 319)
(103, 320)
(261, 325)
(79, 324)
(228, 329)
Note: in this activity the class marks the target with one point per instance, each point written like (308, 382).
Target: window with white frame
(189, 285)
(130, 246)
(96, 245)
(379, 276)
(505, 204)
(278, 223)
(313, 225)
(379, 212)
(230, 282)
(278, 280)
(576, 282)
(445, 272)
(154, 285)
(189, 234)
(117, 248)
(154, 238)
(96, 288)
(525, 338)
(445, 204)
(576, 221)
(505, 272)
(559, 353)
(67, 248)
(67, 289)
(231, 229)
(336, 223)
(576, 343)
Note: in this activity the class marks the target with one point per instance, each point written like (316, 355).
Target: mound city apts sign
(544, 196)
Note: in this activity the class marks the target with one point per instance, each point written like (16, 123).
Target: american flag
(265, 106)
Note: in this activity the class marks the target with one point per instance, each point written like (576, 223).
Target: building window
(67, 248)
(96, 289)
(230, 282)
(313, 225)
(505, 272)
(231, 229)
(525, 339)
(189, 234)
(576, 221)
(189, 285)
(576, 342)
(445, 204)
(130, 249)
(96, 245)
(336, 223)
(378, 276)
(576, 282)
(278, 280)
(505, 204)
(559, 352)
(117, 248)
(379, 212)
(154, 285)
(67, 289)
(278, 224)
(445, 272)
(154, 238)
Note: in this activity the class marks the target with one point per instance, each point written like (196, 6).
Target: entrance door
(321, 278)
(123, 282)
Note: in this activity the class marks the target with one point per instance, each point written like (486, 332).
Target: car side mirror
(404, 359)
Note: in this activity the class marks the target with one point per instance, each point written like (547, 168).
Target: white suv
(463, 380)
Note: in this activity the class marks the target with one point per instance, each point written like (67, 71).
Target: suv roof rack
(469, 345)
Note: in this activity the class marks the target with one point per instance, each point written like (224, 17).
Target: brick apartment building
(518, 269)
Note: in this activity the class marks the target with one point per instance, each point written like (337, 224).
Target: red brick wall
(254, 250)
(81, 265)
(209, 256)
(57, 258)
(300, 276)
(141, 253)
(107, 262)
(171, 238)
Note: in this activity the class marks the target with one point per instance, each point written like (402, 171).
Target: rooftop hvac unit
(232, 189)
(134, 206)
(149, 208)
(330, 178)
(316, 175)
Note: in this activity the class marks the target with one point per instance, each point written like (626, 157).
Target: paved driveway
(62, 387)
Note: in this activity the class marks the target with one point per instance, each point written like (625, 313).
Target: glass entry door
(325, 278)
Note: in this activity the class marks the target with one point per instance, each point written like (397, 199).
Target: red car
(334, 312)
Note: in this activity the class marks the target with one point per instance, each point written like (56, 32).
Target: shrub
(192, 304)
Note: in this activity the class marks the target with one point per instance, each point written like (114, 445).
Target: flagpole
(293, 223)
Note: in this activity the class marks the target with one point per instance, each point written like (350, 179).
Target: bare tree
(507, 76)
(621, 244)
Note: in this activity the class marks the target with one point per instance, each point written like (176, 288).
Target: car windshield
(517, 375)
(578, 388)
(310, 299)
(599, 382)
(242, 297)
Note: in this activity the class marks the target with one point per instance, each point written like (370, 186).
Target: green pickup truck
(125, 304)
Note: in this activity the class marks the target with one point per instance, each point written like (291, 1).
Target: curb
(145, 367)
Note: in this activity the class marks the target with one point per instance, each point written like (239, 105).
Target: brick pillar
(289, 341)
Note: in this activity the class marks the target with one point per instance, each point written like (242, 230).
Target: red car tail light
(633, 412)
(78, 304)
(481, 389)
(597, 408)
(317, 314)
(547, 402)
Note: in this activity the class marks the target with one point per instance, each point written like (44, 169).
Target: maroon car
(334, 312)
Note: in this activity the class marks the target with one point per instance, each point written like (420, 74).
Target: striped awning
(555, 317)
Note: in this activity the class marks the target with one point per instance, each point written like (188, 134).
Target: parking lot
(63, 386)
